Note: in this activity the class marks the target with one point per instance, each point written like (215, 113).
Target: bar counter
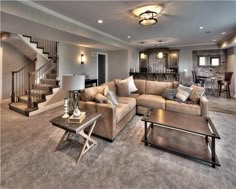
(158, 76)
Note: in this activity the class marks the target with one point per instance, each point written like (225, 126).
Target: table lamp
(72, 83)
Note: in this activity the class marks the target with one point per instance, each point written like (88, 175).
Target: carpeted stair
(38, 94)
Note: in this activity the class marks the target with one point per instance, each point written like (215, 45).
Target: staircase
(31, 87)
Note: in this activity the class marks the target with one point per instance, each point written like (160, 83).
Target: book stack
(77, 119)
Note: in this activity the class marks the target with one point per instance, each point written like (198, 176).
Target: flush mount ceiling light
(147, 14)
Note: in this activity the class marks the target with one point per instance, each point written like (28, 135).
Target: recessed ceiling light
(223, 33)
(129, 37)
(214, 40)
(201, 27)
(100, 21)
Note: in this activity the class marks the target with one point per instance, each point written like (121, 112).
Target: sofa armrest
(106, 124)
(204, 106)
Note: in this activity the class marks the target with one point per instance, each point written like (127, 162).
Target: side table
(77, 129)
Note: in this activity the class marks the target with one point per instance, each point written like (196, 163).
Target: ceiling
(177, 26)
(19, 25)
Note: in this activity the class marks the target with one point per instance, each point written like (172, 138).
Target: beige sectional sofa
(149, 95)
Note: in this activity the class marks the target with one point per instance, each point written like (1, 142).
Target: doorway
(102, 68)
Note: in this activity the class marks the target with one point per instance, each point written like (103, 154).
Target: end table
(77, 129)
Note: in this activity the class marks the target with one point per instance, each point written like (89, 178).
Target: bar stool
(226, 83)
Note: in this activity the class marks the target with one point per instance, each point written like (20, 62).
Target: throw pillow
(99, 98)
(111, 96)
(196, 93)
(122, 87)
(88, 94)
(169, 93)
(175, 84)
(132, 86)
(183, 92)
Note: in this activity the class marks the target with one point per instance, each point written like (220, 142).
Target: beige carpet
(28, 159)
(222, 104)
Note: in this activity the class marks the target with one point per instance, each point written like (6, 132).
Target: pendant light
(160, 54)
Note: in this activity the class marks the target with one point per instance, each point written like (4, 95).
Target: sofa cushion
(110, 85)
(151, 101)
(121, 111)
(122, 88)
(128, 100)
(140, 84)
(88, 94)
(157, 87)
(134, 95)
(175, 84)
(183, 107)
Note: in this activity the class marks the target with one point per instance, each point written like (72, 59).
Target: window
(202, 61)
(215, 61)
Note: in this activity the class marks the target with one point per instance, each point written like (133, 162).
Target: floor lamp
(72, 84)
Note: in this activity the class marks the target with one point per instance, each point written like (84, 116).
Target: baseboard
(43, 109)
(8, 100)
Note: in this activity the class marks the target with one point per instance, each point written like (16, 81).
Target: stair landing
(21, 108)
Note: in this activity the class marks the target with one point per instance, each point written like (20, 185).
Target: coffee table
(183, 134)
(77, 129)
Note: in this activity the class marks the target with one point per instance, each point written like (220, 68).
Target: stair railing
(19, 81)
(34, 79)
(48, 46)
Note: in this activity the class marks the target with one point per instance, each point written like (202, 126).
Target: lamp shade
(73, 82)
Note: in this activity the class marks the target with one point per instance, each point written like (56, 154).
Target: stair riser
(53, 83)
(45, 88)
(51, 76)
(34, 100)
(37, 95)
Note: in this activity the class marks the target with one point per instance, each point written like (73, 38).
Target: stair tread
(20, 105)
(26, 98)
(38, 91)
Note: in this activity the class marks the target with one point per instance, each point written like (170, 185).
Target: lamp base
(66, 115)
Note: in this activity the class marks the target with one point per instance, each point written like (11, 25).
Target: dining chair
(197, 80)
(226, 83)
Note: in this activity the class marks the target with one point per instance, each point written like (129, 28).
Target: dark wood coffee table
(77, 129)
(183, 134)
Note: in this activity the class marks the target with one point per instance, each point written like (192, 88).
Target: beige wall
(70, 60)
(231, 66)
(12, 60)
(118, 66)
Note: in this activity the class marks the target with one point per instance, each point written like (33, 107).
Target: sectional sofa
(149, 95)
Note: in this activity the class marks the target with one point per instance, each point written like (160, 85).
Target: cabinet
(167, 65)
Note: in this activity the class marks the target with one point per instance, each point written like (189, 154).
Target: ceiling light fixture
(201, 27)
(129, 37)
(214, 40)
(147, 18)
(100, 21)
(223, 33)
(148, 14)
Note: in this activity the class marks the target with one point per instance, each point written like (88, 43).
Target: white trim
(8, 100)
(70, 20)
(42, 109)
(106, 65)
